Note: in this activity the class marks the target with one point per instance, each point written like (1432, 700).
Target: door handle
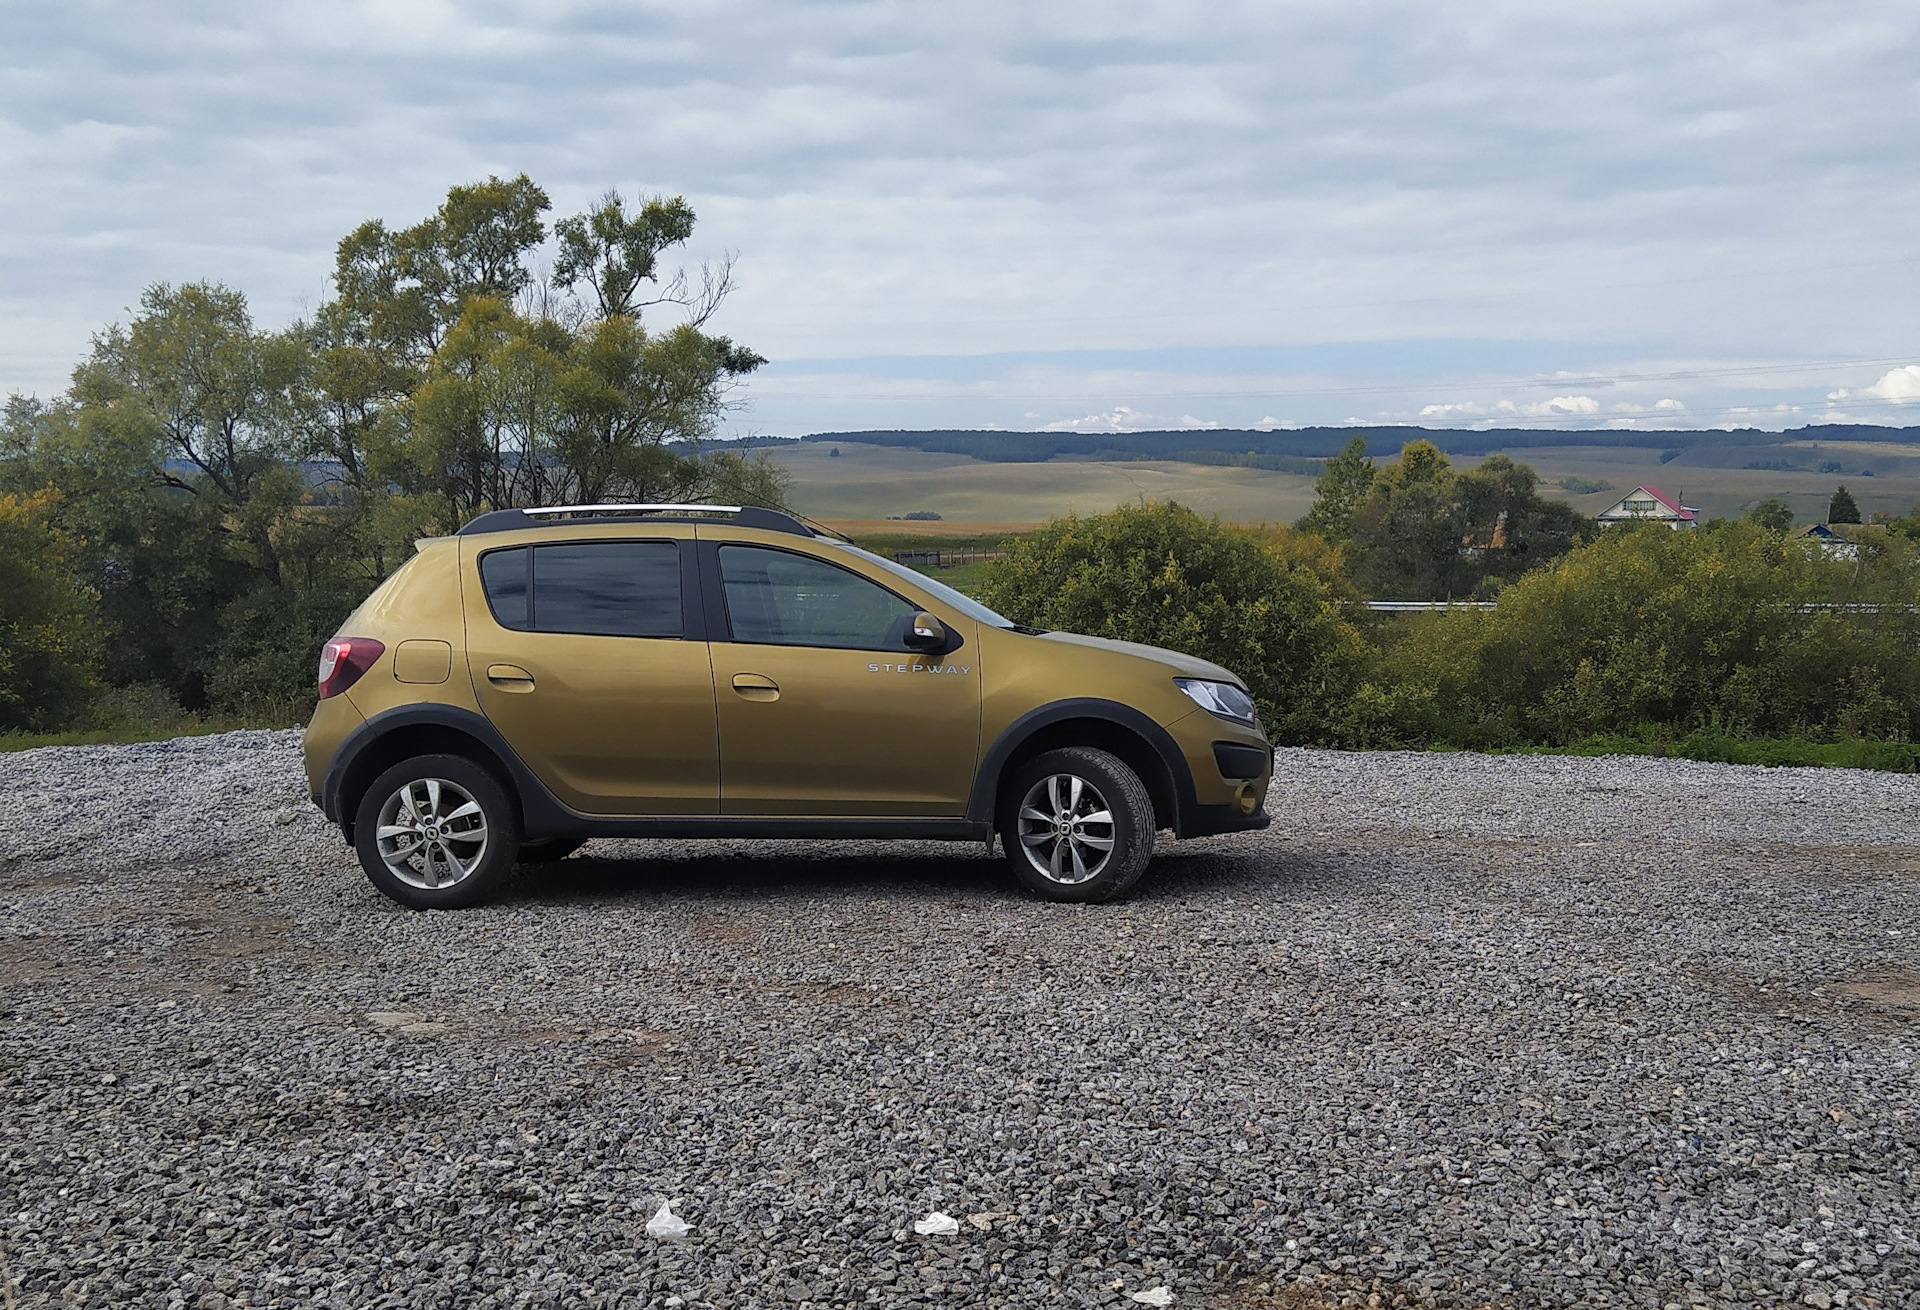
(756, 686)
(509, 677)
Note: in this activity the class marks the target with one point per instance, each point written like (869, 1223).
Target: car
(548, 676)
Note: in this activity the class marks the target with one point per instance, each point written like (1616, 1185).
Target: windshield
(966, 604)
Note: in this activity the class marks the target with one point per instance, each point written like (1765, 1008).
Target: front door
(822, 708)
(578, 655)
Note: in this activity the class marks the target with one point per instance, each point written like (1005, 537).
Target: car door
(823, 710)
(589, 656)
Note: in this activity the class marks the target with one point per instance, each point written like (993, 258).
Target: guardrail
(1426, 606)
(1442, 606)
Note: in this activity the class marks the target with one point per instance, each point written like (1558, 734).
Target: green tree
(1425, 530)
(1772, 514)
(1841, 508)
(614, 252)
(1163, 575)
(1339, 492)
(48, 634)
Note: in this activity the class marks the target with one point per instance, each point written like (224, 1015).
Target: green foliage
(614, 252)
(1163, 575)
(1575, 486)
(48, 638)
(1771, 514)
(1645, 631)
(229, 493)
(1339, 492)
(1841, 509)
(1426, 531)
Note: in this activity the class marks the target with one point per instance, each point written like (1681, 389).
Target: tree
(1771, 514)
(614, 252)
(48, 635)
(408, 288)
(1340, 490)
(1425, 530)
(1841, 508)
(1163, 575)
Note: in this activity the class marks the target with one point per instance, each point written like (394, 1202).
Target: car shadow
(630, 870)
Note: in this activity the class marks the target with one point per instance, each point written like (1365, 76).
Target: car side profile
(548, 676)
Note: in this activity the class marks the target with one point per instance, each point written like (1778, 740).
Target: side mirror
(926, 633)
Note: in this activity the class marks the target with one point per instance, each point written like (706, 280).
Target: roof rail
(746, 516)
(543, 511)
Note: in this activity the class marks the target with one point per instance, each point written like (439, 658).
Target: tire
(1051, 840)
(474, 827)
(546, 852)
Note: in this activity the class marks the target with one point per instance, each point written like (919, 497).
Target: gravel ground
(1456, 1031)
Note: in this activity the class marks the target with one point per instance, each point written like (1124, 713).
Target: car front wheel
(436, 832)
(1077, 825)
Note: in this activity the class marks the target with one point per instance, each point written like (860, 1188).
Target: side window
(776, 598)
(599, 588)
(503, 575)
(608, 588)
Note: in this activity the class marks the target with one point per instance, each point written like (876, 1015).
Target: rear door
(590, 657)
(822, 708)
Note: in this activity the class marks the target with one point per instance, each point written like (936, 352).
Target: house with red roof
(1644, 504)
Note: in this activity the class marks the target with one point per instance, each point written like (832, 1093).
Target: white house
(1643, 503)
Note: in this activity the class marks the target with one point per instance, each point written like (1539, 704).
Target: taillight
(343, 660)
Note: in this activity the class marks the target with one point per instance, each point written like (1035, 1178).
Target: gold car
(547, 676)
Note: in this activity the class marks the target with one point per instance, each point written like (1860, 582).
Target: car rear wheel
(436, 832)
(1077, 825)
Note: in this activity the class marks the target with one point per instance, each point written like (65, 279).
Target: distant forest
(1303, 450)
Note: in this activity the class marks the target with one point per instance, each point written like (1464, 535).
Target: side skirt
(704, 825)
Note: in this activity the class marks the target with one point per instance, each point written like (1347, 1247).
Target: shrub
(1161, 574)
(48, 633)
(1731, 631)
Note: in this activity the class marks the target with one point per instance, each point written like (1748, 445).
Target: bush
(269, 650)
(48, 633)
(1721, 634)
(1249, 600)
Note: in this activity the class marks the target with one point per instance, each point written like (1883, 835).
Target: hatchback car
(547, 676)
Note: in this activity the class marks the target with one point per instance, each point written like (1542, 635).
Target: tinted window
(503, 573)
(779, 599)
(608, 588)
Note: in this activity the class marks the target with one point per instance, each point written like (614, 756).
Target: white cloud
(1558, 407)
(1124, 418)
(1669, 404)
(1898, 385)
(1584, 406)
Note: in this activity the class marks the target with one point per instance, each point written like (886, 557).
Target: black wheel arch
(430, 729)
(1119, 729)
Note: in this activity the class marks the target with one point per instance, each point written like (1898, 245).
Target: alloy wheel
(432, 833)
(1066, 828)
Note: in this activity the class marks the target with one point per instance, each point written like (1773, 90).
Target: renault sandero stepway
(548, 676)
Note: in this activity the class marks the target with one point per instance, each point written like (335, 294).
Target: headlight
(1222, 699)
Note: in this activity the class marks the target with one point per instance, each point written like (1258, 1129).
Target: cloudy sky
(1053, 215)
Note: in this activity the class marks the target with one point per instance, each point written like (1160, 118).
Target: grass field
(864, 484)
(871, 482)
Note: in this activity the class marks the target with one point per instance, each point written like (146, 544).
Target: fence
(942, 559)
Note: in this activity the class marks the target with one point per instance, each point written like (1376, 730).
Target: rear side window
(503, 573)
(597, 588)
(776, 598)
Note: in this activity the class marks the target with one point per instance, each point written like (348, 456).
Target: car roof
(555, 516)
